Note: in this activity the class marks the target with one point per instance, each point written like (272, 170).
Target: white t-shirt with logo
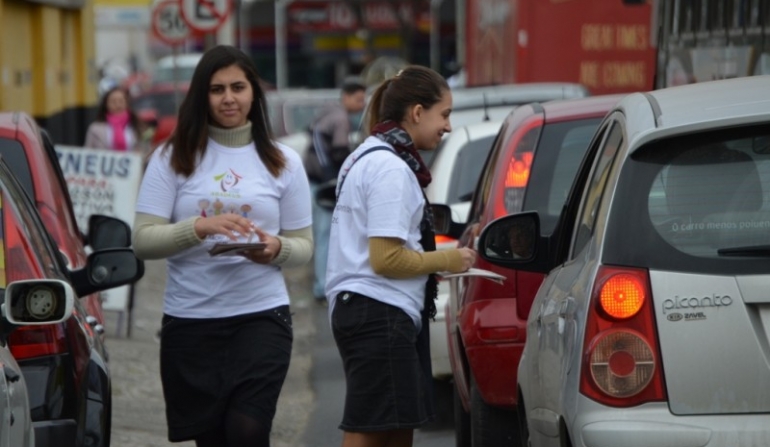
(380, 197)
(227, 180)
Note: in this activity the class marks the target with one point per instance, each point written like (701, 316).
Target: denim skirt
(213, 365)
(386, 384)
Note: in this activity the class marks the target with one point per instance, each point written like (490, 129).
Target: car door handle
(11, 374)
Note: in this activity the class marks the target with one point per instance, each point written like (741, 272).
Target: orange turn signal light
(622, 296)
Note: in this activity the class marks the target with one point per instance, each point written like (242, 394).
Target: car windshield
(706, 200)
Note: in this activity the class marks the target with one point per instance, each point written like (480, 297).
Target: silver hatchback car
(652, 326)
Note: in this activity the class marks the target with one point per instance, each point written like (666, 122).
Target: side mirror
(443, 223)
(107, 232)
(38, 301)
(107, 269)
(514, 241)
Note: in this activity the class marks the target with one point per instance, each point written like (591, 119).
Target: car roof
(513, 94)
(696, 107)
(182, 60)
(570, 109)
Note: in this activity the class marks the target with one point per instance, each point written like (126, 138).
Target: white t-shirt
(227, 180)
(379, 198)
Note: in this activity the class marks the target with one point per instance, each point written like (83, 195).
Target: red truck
(605, 45)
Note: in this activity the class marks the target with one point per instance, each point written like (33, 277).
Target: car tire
(492, 426)
(462, 421)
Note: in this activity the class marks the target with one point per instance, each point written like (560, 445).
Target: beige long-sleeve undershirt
(155, 237)
(389, 257)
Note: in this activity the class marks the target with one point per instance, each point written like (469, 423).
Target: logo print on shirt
(227, 180)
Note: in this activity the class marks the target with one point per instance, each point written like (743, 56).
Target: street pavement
(138, 411)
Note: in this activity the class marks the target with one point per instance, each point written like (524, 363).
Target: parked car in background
(455, 170)
(469, 106)
(175, 68)
(531, 166)
(649, 326)
(65, 364)
(61, 386)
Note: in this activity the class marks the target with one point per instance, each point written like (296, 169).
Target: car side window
(594, 190)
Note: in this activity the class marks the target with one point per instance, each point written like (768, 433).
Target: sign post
(167, 23)
(205, 16)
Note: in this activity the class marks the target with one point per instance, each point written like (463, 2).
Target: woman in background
(116, 127)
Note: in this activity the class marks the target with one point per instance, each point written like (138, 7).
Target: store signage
(308, 16)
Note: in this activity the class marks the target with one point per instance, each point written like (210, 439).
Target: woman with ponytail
(381, 285)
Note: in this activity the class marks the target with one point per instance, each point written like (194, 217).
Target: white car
(651, 326)
(455, 167)
(470, 105)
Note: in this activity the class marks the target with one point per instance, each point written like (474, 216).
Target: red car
(65, 365)
(39, 289)
(530, 167)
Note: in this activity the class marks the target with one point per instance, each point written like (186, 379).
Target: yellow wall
(46, 58)
(16, 56)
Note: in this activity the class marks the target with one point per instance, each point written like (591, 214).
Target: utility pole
(281, 57)
(435, 43)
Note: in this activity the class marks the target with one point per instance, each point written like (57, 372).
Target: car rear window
(13, 153)
(467, 169)
(558, 155)
(701, 203)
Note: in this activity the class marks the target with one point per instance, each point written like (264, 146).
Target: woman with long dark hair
(226, 334)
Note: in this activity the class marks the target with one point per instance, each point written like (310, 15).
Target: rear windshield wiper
(755, 250)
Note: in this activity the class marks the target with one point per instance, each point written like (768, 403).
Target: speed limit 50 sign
(205, 15)
(167, 22)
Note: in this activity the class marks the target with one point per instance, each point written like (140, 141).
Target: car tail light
(441, 239)
(622, 362)
(622, 296)
(38, 341)
(519, 156)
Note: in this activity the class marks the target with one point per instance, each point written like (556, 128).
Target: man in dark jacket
(330, 145)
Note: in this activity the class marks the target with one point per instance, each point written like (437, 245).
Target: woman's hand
(269, 253)
(468, 256)
(231, 225)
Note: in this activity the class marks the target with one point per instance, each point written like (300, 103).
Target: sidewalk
(138, 411)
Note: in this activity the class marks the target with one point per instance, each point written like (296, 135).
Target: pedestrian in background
(116, 127)
(226, 334)
(381, 285)
(330, 145)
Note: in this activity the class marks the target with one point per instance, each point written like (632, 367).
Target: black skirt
(210, 366)
(388, 386)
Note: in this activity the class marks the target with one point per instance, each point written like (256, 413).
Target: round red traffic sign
(205, 16)
(167, 22)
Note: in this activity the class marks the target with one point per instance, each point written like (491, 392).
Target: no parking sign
(205, 16)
